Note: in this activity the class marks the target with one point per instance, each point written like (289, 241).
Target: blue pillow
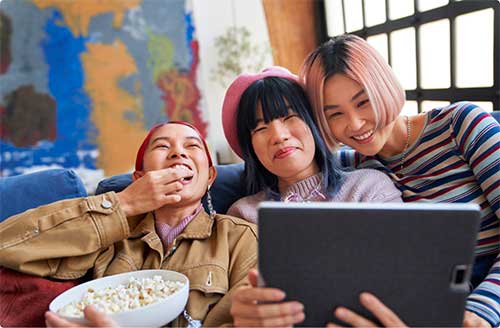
(496, 115)
(227, 188)
(22, 192)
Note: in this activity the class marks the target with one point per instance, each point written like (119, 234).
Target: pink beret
(233, 96)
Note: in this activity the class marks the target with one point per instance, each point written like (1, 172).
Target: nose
(177, 151)
(356, 122)
(279, 132)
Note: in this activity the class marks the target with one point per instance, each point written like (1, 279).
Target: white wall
(211, 19)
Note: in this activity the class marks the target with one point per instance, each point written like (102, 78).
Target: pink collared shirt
(167, 233)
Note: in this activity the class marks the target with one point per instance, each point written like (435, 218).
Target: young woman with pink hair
(449, 154)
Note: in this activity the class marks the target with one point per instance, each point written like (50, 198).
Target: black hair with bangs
(277, 97)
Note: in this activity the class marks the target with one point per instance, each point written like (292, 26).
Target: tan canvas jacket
(65, 239)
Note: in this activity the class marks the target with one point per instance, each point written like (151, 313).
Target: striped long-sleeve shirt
(456, 159)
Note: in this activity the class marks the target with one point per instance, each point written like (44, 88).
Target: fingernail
(297, 307)
(300, 317)
(340, 312)
(280, 294)
(366, 297)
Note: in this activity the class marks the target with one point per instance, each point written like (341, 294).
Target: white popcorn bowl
(153, 315)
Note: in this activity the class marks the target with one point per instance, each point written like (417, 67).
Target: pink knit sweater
(364, 185)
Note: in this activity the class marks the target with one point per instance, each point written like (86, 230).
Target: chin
(368, 152)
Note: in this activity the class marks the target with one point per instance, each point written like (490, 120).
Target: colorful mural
(82, 81)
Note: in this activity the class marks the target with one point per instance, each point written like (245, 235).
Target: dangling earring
(211, 210)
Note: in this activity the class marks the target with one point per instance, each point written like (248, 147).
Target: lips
(364, 138)
(284, 152)
(184, 167)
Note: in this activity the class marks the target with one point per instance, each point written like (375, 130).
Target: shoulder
(470, 123)
(456, 112)
(246, 207)
(365, 176)
(234, 224)
(368, 185)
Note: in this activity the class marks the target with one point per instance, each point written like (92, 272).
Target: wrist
(124, 203)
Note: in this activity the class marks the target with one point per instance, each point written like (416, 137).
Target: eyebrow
(360, 92)
(169, 139)
(357, 95)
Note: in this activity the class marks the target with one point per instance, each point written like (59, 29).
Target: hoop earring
(211, 210)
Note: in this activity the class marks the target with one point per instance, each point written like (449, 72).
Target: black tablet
(417, 258)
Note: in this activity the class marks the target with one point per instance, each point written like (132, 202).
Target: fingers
(98, 319)
(53, 320)
(253, 277)
(268, 315)
(255, 295)
(385, 315)
(269, 310)
(473, 320)
(352, 318)
(286, 321)
(253, 307)
(171, 174)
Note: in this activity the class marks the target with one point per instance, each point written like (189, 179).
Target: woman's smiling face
(178, 146)
(285, 146)
(350, 116)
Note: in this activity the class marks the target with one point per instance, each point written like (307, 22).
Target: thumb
(253, 277)
(97, 318)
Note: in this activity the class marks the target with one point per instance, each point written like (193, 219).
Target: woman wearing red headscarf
(157, 222)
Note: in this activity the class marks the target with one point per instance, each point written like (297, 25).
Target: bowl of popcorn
(138, 298)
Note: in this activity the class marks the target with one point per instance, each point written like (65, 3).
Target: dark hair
(273, 93)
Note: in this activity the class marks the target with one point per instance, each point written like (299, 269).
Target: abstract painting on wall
(82, 81)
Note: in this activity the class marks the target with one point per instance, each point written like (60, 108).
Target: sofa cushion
(227, 188)
(25, 298)
(26, 191)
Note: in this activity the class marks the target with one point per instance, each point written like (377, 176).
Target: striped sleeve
(348, 158)
(477, 135)
(485, 299)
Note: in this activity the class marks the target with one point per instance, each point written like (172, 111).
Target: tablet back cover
(417, 261)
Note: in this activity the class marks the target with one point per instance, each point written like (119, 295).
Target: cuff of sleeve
(109, 218)
(483, 310)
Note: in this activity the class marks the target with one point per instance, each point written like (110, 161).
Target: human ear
(137, 174)
(212, 174)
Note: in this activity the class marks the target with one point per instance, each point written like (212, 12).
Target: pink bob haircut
(351, 55)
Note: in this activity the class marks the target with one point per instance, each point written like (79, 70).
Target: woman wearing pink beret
(267, 122)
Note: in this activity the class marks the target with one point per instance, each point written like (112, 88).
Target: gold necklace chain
(408, 131)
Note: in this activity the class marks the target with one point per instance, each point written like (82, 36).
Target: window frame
(450, 11)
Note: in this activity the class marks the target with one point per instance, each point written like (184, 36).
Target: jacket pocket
(208, 278)
(207, 286)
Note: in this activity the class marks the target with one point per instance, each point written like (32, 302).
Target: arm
(62, 239)
(477, 135)
(65, 238)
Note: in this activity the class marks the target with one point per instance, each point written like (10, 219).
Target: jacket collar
(199, 228)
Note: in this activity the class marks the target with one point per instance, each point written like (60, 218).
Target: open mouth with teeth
(186, 168)
(363, 137)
